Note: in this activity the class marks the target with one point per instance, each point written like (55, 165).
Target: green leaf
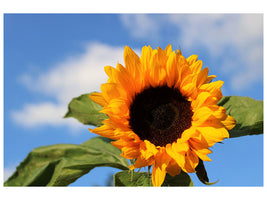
(85, 110)
(62, 164)
(247, 112)
(131, 178)
(183, 179)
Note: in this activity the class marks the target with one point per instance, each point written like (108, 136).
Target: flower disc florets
(160, 115)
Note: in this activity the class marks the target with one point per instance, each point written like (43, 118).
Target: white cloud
(70, 78)
(76, 75)
(46, 113)
(230, 39)
(236, 38)
(140, 25)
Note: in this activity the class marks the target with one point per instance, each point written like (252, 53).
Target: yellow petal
(229, 122)
(141, 162)
(214, 88)
(184, 69)
(201, 115)
(178, 157)
(126, 81)
(202, 156)
(98, 98)
(196, 66)
(180, 146)
(157, 75)
(115, 124)
(117, 108)
(112, 91)
(191, 162)
(200, 147)
(105, 131)
(132, 63)
(172, 70)
(110, 72)
(199, 143)
(162, 160)
(173, 168)
(129, 145)
(162, 57)
(168, 50)
(200, 100)
(158, 175)
(148, 149)
(213, 135)
(191, 59)
(187, 134)
(145, 57)
(130, 152)
(209, 78)
(189, 90)
(208, 113)
(202, 76)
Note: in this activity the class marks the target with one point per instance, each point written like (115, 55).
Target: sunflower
(162, 111)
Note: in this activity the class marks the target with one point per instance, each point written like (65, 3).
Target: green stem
(148, 169)
(132, 173)
(148, 172)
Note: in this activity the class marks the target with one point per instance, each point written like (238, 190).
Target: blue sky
(49, 59)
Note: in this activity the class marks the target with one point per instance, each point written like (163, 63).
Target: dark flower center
(160, 115)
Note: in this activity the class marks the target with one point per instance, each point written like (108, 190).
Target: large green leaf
(85, 110)
(62, 164)
(247, 112)
(131, 178)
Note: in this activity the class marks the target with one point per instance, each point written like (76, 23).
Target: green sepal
(202, 174)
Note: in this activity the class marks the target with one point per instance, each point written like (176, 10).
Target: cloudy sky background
(49, 59)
